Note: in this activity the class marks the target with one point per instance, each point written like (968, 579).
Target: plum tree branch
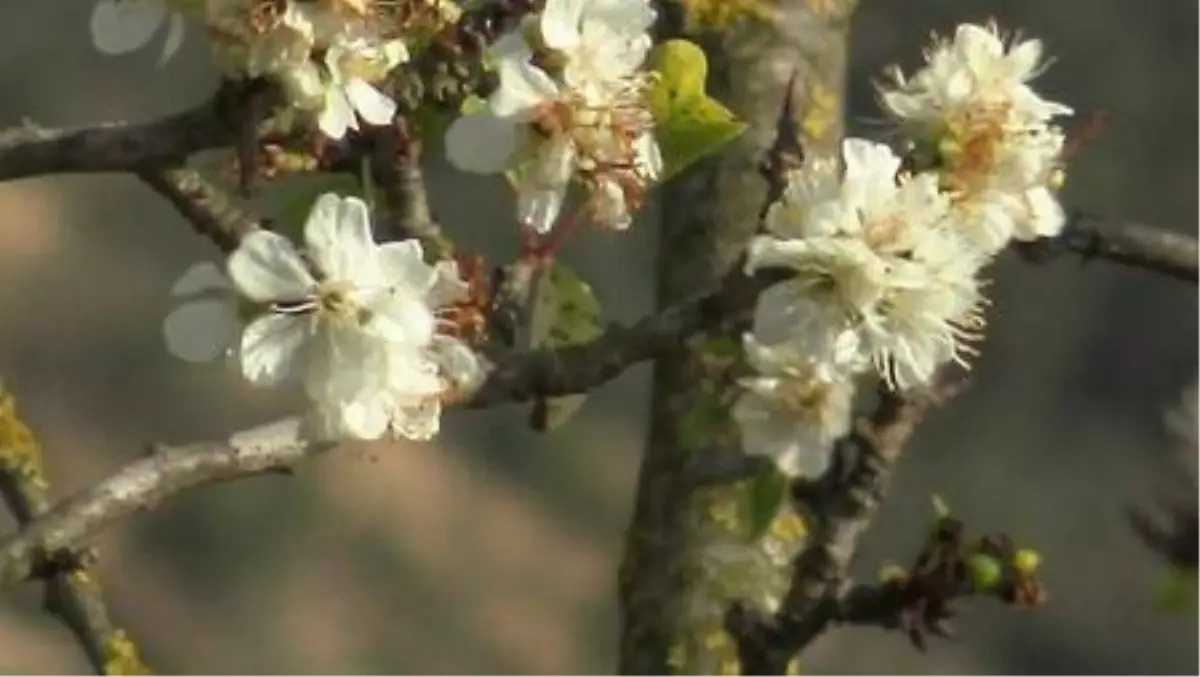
(841, 505)
(72, 593)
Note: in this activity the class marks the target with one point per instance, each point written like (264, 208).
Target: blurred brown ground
(495, 550)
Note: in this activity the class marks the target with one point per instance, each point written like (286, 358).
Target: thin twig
(841, 505)
(144, 484)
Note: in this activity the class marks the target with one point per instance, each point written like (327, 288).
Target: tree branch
(841, 505)
(72, 593)
(211, 210)
(1132, 244)
(142, 485)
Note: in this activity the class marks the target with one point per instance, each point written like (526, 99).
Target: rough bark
(668, 590)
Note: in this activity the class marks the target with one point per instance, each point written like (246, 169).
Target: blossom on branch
(362, 327)
(971, 107)
(792, 409)
(328, 56)
(879, 275)
(571, 107)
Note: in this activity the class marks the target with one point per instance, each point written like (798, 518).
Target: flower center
(335, 302)
(803, 395)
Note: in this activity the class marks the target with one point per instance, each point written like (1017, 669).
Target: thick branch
(211, 211)
(31, 150)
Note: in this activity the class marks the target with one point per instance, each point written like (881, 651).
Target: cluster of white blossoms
(327, 55)
(571, 107)
(997, 151)
(886, 262)
(358, 325)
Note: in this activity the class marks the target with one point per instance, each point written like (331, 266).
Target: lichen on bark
(687, 547)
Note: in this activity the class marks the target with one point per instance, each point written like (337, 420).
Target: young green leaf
(689, 124)
(765, 495)
(565, 312)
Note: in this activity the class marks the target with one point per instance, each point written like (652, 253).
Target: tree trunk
(688, 553)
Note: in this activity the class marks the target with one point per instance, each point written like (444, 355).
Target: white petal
(975, 42)
(271, 346)
(337, 116)
(303, 85)
(200, 331)
(560, 23)
(649, 155)
(402, 266)
(405, 320)
(365, 419)
(448, 287)
(372, 105)
(539, 208)
(1023, 59)
(122, 26)
(523, 87)
(420, 422)
(1044, 218)
(174, 40)
(337, 236)
(342, 363)
(202, 276)
(481, 143)
(458, 362)
(542, 187)
(266, 267)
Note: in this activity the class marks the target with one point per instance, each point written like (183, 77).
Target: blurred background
(495, 549)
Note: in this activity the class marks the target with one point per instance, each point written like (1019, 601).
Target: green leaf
(765, 495)
(297, 197)
(703, 420)
(689, 124)
(565, 312)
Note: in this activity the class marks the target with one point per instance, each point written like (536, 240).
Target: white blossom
(793, 408)
(879, 274)
(997, 150)
(579, 114)
(355, 322)
(123, 26)
(328, 58)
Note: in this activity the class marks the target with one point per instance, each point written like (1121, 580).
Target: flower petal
(337, 116)
(458, 362)
(481, 143)
(405, 320)
(200, 331)
(123, 26)
(402, 266)
(271, 347)
(448, 286)
(338, 238)
(175, 31)
(523, 87)
(419, 421)
(266, 267)
(201, 277)
(560, 23)
(372, 105)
